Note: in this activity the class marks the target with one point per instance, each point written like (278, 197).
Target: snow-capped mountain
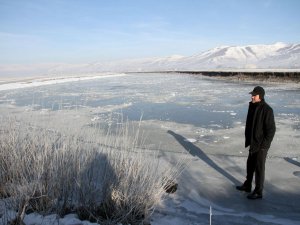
(270, 57)
(276, 56)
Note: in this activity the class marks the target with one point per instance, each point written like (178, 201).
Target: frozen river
(185, 99)
(192, 116)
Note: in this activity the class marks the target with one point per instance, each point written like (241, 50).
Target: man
(259, 132)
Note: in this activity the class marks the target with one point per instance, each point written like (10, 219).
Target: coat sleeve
(269, 129)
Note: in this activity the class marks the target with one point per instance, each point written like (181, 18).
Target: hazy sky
(74, 31)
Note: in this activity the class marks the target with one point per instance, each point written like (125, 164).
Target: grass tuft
(110, 180)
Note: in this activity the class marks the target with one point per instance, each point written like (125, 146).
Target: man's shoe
(254, 195)
(243, 188)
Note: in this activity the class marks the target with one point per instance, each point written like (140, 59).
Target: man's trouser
(256, 164)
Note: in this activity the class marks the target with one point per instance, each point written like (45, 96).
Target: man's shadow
(195, 151)
(292, 161)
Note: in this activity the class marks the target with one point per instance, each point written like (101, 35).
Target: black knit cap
(258, 90)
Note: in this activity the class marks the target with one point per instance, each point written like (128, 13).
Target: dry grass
(107, 181)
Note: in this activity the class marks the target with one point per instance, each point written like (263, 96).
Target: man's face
(255, 98)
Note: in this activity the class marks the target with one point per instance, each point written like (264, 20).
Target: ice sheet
(184, 116)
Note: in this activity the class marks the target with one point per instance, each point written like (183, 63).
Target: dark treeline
(272, 76)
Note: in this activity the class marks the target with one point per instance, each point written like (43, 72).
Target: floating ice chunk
(215, 125)
(43, 111)
(233, 114)
(192, 140)
(218, 111)
(95, 118)
(226, 137)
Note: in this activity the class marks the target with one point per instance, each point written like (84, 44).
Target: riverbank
(272, 76)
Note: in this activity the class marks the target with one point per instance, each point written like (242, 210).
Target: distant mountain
(276, 56)
(269, 57)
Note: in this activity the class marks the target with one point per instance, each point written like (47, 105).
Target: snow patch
(191, 140)
(59, 80)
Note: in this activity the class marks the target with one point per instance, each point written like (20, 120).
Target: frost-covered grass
(106, 180)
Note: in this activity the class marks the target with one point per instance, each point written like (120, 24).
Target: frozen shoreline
(35, 82)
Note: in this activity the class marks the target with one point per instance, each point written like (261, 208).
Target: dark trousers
(256, 164)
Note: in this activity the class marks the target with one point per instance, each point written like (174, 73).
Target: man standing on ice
(259, 132)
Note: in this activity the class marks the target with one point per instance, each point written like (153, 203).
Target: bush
(107, 181)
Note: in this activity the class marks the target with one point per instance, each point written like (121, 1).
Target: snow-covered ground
(37, 82)
(189, 116)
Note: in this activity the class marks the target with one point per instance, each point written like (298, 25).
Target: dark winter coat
(260, 126)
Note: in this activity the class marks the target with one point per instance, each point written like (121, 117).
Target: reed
(107, 180)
